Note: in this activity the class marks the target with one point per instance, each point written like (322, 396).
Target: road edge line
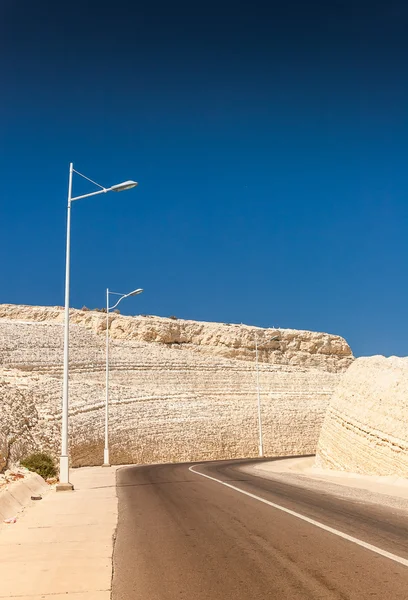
(350, 538)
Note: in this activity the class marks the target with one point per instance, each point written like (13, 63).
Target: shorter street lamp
(106, 462)
(273, 339)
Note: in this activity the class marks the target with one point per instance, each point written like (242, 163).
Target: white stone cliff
(366, 426)
(180, 390)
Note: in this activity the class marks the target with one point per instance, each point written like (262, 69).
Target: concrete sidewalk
(62, 546)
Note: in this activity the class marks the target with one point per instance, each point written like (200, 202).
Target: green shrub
(40, 463)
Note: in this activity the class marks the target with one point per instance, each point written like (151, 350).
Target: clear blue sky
(270, 140)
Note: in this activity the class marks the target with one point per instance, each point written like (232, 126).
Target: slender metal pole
(64, 462)
(106, 462)
(64, 465)
(261, 452)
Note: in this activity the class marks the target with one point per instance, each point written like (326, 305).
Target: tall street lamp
(274, 339)
(106, 462)
(64, 483)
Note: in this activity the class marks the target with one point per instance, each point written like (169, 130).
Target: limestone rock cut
(179, 390)
(366, 426)
(18, 420)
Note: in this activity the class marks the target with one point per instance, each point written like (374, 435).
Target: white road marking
(345, 536)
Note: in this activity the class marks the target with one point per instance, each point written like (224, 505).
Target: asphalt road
(182, 536)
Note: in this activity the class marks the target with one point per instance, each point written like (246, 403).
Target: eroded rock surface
(18, 419)
(366, 427)
(180, 390)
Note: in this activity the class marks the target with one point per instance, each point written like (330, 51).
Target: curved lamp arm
(134, 293)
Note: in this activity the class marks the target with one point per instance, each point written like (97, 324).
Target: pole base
(106, 465)
(64, 487)
(64, 470)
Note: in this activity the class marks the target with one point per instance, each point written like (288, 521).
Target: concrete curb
(18, 494)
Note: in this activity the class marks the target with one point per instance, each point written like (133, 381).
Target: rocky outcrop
(180, 390)
(18, 419)
(301, 348)
(366, 426)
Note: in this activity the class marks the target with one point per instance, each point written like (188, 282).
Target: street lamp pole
(64, 483)
(64, 468)
(106, 447)
(106, 462)
(258, 391)
(261, 452)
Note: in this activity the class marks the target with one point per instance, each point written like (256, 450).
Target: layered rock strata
(366, 427)
(180, 390)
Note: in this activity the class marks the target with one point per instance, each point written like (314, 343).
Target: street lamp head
(135, 292)
(126, 185)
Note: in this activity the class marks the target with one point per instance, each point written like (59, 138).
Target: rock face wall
(180, 390)
(18, 418)
(366, 426)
